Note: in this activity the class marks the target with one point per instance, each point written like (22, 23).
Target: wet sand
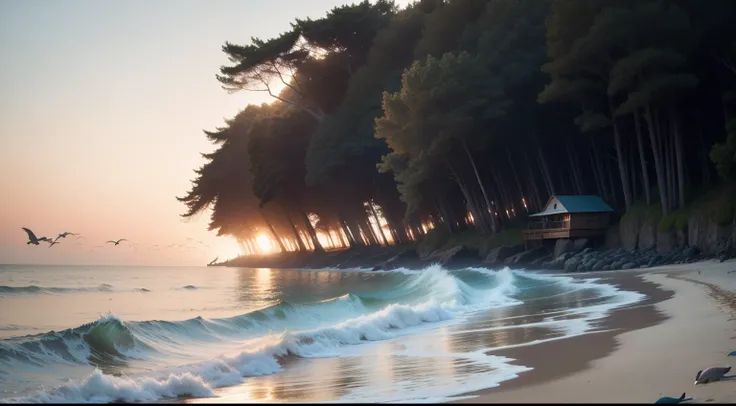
(646, 351)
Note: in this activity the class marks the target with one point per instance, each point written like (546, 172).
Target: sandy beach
(645, 351)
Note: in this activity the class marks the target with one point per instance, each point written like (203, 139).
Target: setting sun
(264, 244)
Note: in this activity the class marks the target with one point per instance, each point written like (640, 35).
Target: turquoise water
(103, 334)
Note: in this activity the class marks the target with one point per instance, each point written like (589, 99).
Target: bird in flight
(52, 243)
(63, 235)
(118, 241)
(32, 239)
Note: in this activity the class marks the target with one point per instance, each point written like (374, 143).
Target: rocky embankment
(636, 242)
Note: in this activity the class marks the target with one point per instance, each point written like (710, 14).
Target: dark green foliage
(451, 107)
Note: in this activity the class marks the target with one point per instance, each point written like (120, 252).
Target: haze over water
(101, 334)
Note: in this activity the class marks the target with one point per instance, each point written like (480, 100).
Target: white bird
(63, 235)
(117, 242)
(32, 239)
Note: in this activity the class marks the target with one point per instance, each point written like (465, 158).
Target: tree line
(468, 113)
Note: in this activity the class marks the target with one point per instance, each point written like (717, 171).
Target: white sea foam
(438, 297)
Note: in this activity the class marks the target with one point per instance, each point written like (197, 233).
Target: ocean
(100, 334)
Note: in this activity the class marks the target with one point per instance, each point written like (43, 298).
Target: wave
(260, 339)
(34, 289)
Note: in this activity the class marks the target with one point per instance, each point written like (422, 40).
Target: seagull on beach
(667, 399)
(711, 374)
(63, 235)
(32, 239)
(116, 242)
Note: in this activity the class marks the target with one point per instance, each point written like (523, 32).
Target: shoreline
(647, 350)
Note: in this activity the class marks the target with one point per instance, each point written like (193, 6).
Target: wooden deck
(557, 229)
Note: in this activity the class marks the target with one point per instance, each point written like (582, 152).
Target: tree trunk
(601, 167)
(680, 160)
(351, 242)
(516, 174)
(611, 182)
(632, 173)
(273, 231)
(642, 160)
(482, 187)
(621, 159)
(480, 222)
(656, 151)
(668, 170)
(576, 176)
(311, 232)
(533, 180)
(378, 223)
(596, 175)
(704, 162)
(545, 170)
(297, 237)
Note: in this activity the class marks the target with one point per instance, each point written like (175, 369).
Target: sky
(102, 107)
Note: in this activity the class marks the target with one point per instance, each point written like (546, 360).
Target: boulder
(666, 241)
(599, 265)
(580, 244)
(571, 265)
(498, 254)
(708, 236)
(563, 246)
(629, 228)
(525, 257)
(647, 236)
(617, 264)
(629, 265)
(463, 258)
(443, 256)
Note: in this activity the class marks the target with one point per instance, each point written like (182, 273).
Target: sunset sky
(101, 115)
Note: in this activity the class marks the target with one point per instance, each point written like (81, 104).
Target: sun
(264, 244)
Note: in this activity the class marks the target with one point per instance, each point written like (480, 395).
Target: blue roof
(574, 204)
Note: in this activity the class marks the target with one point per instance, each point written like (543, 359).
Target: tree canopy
(468, 113)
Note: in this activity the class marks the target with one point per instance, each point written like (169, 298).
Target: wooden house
(569, 217)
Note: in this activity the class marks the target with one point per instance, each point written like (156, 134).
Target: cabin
(569, 217)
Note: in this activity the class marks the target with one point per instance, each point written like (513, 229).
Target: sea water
(140, 334)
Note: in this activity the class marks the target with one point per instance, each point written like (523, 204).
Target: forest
(387, 122)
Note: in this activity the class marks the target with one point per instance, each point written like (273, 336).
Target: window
(555, 206)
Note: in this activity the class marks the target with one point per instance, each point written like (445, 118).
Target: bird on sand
(32, 239)
(52, 243)
(711, 374)
(63, 235)
(667, 399)
(117, 242)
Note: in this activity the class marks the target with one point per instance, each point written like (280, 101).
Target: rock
(647, 236)
(525, 257)
(724, 256)
(612, 239)
(629, 265)
(539, 261)
(666, 241)
(571, 265)
(581, 243)
(617, 264)
(443, 256)
(606, 268)
(629, 228)
(706, 235)
(562, 246)
(691, 252)
(644, 266)
(502, 252)
(654, 260)
(587, 250)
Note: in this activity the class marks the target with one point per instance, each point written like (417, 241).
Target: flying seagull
(213, 261)
(52, 243)
(667, 399)
(711, 374)
(63, 235)
(32, 239)
(117, 242)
